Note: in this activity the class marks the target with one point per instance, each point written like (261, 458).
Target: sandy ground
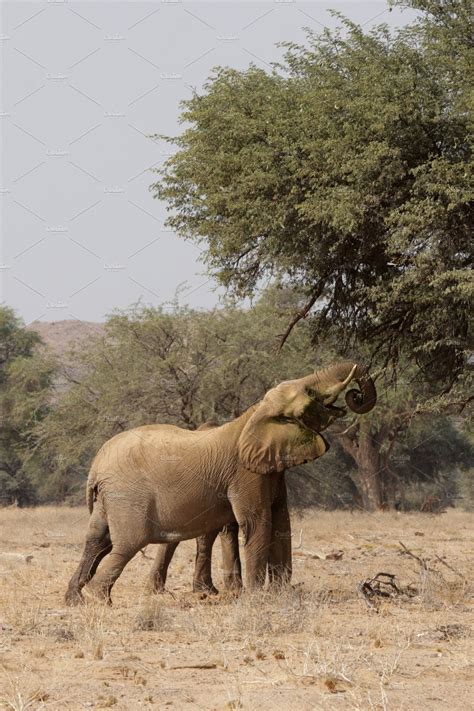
(316, 645)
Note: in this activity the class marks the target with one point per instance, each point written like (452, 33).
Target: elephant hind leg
(113, 565)
(97, 545)
(202, 581)
(159, 570)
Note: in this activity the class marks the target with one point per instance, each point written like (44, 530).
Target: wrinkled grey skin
(163, 484)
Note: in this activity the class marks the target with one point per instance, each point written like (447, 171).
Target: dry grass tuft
(19, 700)
(23, 599)
(152, 616)
(21, 689)
(90, 627)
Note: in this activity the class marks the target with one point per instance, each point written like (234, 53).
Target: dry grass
(315, 645)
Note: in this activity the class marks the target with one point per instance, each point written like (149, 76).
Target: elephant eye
(283, 419)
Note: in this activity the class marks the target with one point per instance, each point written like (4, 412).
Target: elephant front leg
(279, 559)
(159, 570)
(202, 581)
(231, 566)
(257, 532)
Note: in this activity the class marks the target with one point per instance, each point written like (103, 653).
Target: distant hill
(60, 336)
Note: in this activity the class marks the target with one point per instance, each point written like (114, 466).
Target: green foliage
(433, 460)
(15, 340)
(325, 483)
(431, 447)
(347, 172)
(25, 391)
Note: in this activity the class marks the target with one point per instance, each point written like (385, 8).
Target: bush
(465, 487)
(431, 496)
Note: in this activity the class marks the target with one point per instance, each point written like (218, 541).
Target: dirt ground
(316, 645)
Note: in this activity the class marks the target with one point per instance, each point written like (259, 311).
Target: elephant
(163, 484)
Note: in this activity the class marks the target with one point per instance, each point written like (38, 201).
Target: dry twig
(423, 563)
(450, 567)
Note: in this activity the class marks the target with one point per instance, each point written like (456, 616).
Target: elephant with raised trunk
(162, 484)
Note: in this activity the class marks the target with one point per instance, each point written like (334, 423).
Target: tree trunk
(365, 450)
(391, 486)
(371, 449)
(367, 479)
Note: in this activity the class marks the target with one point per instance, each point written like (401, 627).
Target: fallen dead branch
(333, 555)
(450, 567)
(432, 579)
(194, 666)
(422, 561)
(317, 555)
(381, 585)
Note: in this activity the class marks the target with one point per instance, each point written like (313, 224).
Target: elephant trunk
(363, 400)
(331, 381)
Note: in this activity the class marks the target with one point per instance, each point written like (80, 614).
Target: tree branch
(301, 314)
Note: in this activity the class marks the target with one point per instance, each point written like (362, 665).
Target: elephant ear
(272, 444)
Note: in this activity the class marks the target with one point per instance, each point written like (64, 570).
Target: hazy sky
(83, 84)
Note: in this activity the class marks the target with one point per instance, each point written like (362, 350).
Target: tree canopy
(346, 171)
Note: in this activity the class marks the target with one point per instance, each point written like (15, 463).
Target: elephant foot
(232, 583)
(202, 587)
(74, 597)
(101, 597)
(100, 593)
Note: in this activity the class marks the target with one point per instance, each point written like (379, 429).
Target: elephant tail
(91, 494)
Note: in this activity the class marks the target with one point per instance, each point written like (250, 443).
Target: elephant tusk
(334, 390)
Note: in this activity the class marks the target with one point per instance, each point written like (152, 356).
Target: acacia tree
(347, 172)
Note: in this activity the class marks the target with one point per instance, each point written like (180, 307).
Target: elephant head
(284, 429)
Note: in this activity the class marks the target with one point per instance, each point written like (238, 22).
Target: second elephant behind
(202, 579)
